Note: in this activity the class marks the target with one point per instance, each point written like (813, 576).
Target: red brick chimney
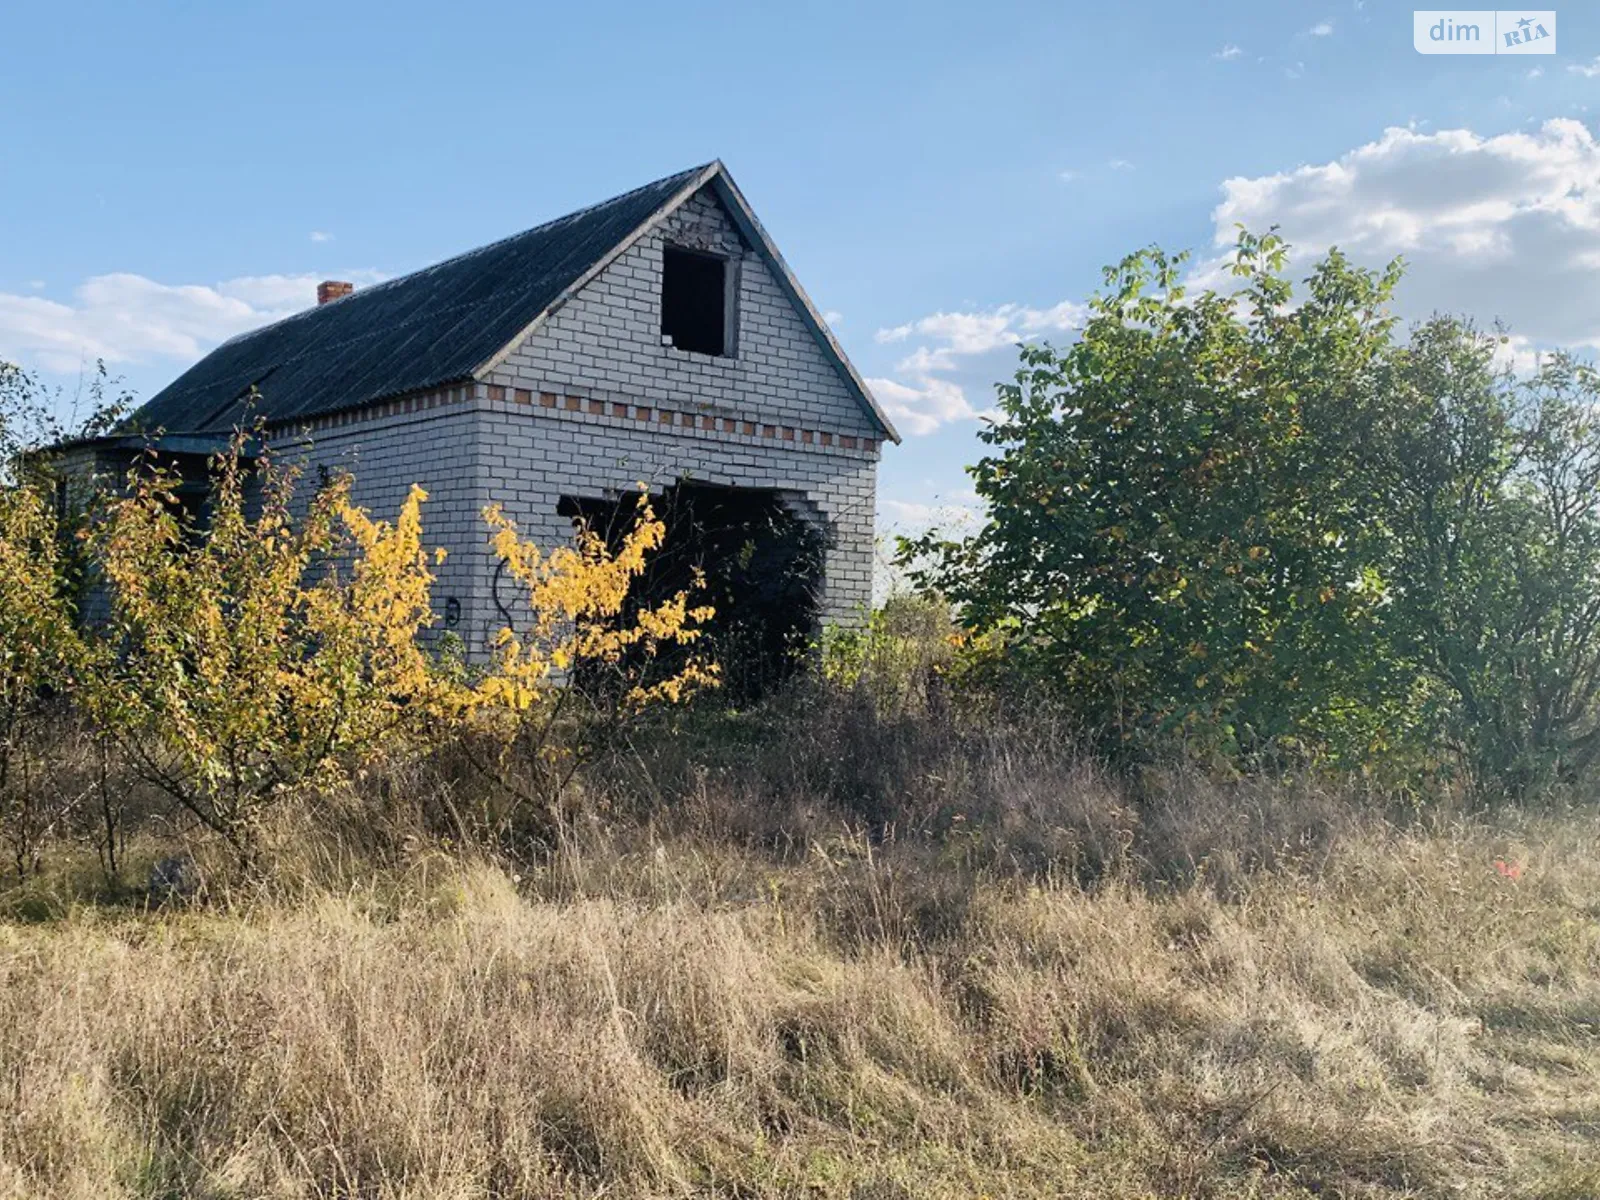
(333, 289)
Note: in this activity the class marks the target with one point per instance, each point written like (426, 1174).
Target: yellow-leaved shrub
(258, 651)
(39, 643)
(255, 652)
(582, 635)
(576, 619)
(40, 653)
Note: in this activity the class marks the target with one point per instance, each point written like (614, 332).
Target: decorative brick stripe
(566, 402)
(650, 414)
(708, 422)
(398, 407)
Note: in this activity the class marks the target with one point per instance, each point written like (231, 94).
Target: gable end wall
(606, 341)
(592, 403)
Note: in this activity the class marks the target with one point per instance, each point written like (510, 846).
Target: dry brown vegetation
(847, 956)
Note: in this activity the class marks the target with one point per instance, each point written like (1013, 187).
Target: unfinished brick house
(657, 336)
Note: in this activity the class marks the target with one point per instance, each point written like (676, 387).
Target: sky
(946, 179)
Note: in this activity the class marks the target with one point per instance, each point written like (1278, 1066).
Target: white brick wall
(606, 341)
(592, 403)
(434, 447)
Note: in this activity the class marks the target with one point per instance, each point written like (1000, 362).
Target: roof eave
(172, 443)
(744, 216)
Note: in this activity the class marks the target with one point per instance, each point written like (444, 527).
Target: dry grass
(652, 1016)
(820, 952)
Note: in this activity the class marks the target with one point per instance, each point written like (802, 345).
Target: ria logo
(1484, 31)
(1528, 31)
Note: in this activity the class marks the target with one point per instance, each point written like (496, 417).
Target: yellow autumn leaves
(576, 596)
(253, 647)
(39, 646)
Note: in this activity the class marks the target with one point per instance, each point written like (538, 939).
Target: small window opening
(695, 302)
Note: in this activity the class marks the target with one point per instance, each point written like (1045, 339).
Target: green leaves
(1498, 548)
(31, 418)
(1266, 522)
(1149, 517)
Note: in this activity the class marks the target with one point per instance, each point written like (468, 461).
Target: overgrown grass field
(736, 977)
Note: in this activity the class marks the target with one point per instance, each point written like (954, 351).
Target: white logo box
(1484, 31)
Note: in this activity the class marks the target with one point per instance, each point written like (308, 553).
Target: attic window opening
(697, 302)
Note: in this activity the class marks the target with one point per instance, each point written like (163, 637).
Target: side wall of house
(432, 441)
(479, 444)
(593, 403)
(535, 456)
(86, 471)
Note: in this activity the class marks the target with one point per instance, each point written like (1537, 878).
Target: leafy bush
(584, 663)
(899, 656)
(41, 654)
(1263, 524)
(33, 418)
(234, 673)
(43, 574)
(255, 652)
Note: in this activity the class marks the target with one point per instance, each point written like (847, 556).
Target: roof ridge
(684, 175)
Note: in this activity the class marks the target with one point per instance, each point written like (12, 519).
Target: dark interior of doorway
(762, 566)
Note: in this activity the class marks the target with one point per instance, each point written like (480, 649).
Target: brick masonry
(591, 403)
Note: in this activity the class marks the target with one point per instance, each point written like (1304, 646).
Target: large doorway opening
(762, 565)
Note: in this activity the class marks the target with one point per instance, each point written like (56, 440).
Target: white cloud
(1066, 176)
(920, 400)
(1321, 29)
(979, 332)
(127, 318)
(1229, 51)
(1519, 353)
(923, 407)
(1587, 70)
(318, 235)
(1535, 72)
(833, 317)
(1499, 228)
(1120, 164)
(36, 284)
(964, 334)
(956, 515)
(911, 510)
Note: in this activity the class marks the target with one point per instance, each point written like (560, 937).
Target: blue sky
(944, 178)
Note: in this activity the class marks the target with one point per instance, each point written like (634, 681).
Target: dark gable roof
(446, 323)
(433, 327)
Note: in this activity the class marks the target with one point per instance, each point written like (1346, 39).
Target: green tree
(1264, 520)
(1176, 526)
(33, 418)
(1494, 490)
